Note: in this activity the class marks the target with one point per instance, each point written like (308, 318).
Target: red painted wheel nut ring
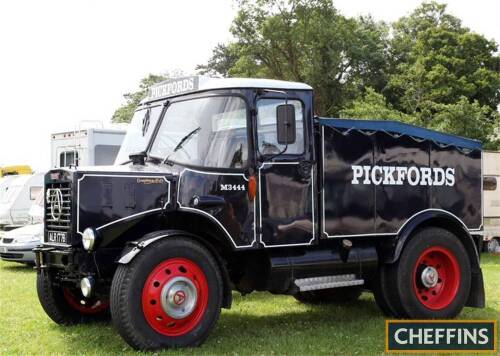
(443, 292)
(156, 288)
(96, 307)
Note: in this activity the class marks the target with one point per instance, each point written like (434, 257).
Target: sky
(64, 62)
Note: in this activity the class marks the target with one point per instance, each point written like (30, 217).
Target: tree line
(426, 68)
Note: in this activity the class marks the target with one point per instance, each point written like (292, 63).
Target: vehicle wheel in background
(493, 246)
(432, 277)
(170, 295)
(329, 296)
(67, 306)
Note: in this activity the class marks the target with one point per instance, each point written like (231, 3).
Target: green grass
(258, 324)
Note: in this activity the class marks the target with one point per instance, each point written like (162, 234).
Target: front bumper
(18, 253)
(46, 256)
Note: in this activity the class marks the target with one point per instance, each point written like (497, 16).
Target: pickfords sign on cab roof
(185, 85)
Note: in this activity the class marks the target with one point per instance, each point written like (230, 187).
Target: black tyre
(64, 305)
(432, 277)
(170, 295)
(380, 290)
(329, 296)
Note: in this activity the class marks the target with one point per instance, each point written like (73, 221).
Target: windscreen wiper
(182, 141)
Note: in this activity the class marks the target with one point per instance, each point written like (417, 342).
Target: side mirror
(285, 124)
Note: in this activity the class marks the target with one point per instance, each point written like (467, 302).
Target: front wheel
(67, 306)
(170, 295)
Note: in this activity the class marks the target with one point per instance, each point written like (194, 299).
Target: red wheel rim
(436, 277)
(175, 297)
(89, 307)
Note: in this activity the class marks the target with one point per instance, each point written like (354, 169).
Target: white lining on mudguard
(186, 208)
(132, 253)
(399, 230)
(124, 218)
(260, 207)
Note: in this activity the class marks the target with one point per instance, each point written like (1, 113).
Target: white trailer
(15, 203)
(491, 180)
(86, 147)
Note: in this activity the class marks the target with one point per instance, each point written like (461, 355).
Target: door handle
(207, 201)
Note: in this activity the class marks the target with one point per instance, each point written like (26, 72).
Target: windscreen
(139, 132)
(206, 132)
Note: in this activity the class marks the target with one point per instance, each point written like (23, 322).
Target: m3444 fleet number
(232, 187)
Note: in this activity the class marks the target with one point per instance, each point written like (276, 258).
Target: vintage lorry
(236, 185)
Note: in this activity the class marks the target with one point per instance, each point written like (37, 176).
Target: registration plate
(57, 237)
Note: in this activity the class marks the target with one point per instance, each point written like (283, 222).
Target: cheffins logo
(438, 336)
(395, 175)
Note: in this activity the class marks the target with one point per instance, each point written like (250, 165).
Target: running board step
(326, 282)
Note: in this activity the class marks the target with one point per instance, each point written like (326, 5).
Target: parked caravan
(17, 200)
(87, 147)
(4, 184)
(36, 210)
(491, 167)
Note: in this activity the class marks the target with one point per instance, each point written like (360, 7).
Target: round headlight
(88, 238)
(87, 286)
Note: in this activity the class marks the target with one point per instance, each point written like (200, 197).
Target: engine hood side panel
(105, 201)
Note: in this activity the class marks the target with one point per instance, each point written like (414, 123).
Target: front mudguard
(134, 248)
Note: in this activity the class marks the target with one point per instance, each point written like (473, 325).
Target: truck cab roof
(179, 86)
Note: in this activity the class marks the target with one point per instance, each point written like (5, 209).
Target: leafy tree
(468, 119)
(435, 60)
(224, 57)
(374, 106)
(307, 41)
(125, 112)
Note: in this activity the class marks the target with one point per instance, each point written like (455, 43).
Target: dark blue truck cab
(234, 184)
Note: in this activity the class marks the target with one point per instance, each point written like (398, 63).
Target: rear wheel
(170, 295)
(329, 296)
(67, 306)
(432, 277)
(380, 290)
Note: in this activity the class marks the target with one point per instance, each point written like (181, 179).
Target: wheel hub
(178, 297)
(436, 277)
(429, 277)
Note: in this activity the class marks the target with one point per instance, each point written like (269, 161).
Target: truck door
(286, 178)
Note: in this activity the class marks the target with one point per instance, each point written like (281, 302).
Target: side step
(326, 282)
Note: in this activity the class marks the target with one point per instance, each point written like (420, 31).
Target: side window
(105, 154)
(68, 158)
(489, 183)
(266, 127)
(35, 192)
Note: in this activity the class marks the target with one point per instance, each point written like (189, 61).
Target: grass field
(259, 323)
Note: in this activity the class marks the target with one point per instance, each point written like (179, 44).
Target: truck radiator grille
(58, 206)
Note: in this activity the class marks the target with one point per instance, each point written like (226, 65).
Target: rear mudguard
(134, 248)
